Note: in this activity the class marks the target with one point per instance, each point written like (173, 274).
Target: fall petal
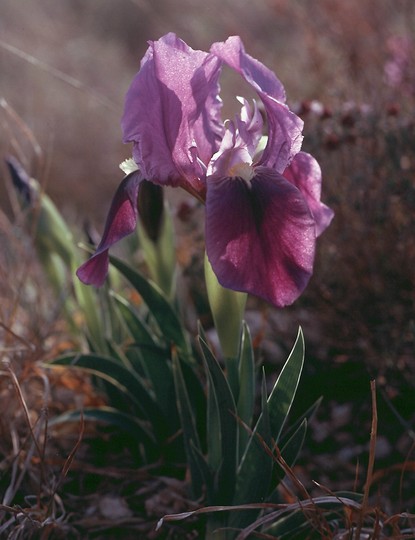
(305, 173)
(260, 235)
(121, 221)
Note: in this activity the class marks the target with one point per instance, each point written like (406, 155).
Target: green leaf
(126, 381)
(256, 466)
(214, 439)
(154, 362)
(87, 299)
(160, 253)
(291, 451)
(255, 470)
(109, 415)
(190, 435)
(283, 393)
(160, 308)
(138, 329)
(246, 398)
(307, 415)
(158, 369)
(226, 419)
(207, 474)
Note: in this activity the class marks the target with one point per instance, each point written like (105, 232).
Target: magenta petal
(254, 72)
(171, 107)
(284, 127)
(232, 151)
(95, 270)
(121, 221)
(305, 173)
(250, 125)
(260, 236)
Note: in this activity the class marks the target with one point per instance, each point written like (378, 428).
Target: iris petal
(171, 107)
(284, 127)
(232, 151)
(305, 173)
(260, 236)
(250, 125)
(121, 221)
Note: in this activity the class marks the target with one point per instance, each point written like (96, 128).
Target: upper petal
(260, 236)
(121, 221)
(173, 105)
(250, 125)
(305, 173)
(284, 127)
(232, 151)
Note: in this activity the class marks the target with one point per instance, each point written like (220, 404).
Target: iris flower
(263, 209)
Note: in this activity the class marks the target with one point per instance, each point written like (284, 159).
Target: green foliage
(178, 403)
(162, 389)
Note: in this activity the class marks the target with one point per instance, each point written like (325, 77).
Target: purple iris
(263, 209)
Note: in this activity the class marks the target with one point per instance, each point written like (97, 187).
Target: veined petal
(171, 107)
(284, 127)
(121, 221)
(260, 236)
(305, 173)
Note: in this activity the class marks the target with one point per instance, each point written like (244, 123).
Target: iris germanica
(263, 209)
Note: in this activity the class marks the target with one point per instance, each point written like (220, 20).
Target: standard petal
(284, 127)
(305, 173)
(232, 151)
(250, 125)
(121, 221)
(253, 71)
(260, 236)
(171, 106)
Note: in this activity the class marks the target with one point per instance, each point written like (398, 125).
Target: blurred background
(65, 67)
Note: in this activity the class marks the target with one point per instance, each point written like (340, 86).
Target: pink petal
(171, 106)
(260, 236)
(305, 173)
(284, 127)
(232, 151)
(250, 125)
(121, 221)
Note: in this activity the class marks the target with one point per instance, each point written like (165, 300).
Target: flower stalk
(227, 307)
